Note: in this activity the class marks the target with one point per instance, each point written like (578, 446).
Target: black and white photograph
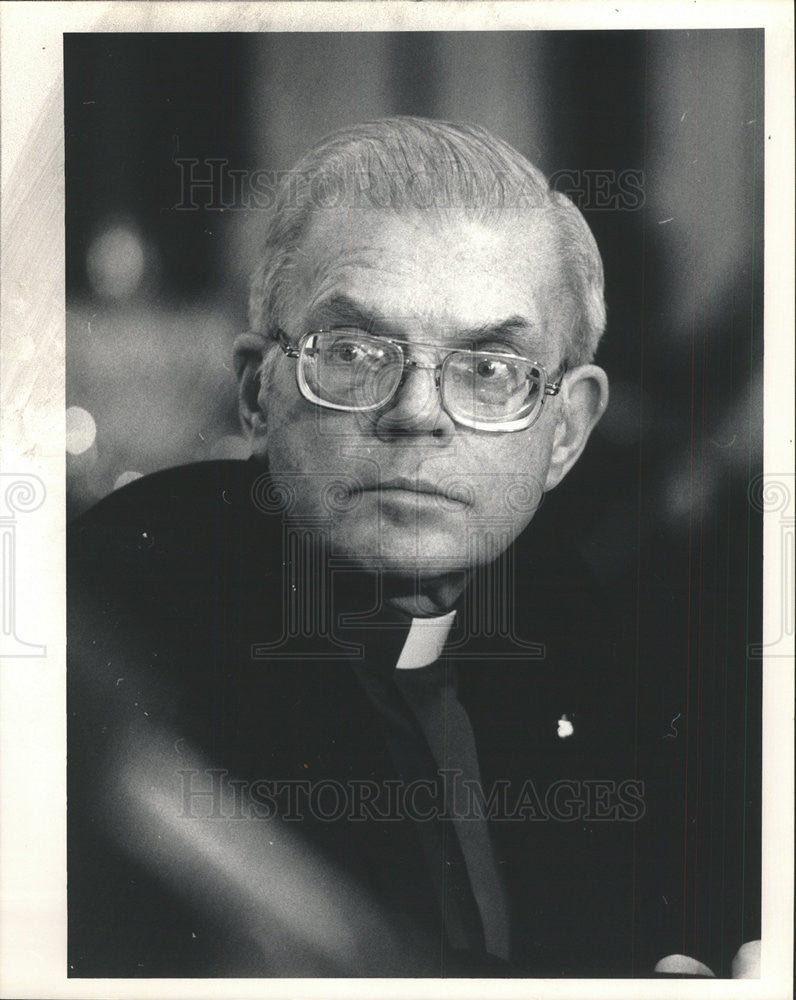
(414, 504)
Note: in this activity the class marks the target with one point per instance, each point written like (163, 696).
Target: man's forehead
(370, 235)
(454, 272)
(340, 308)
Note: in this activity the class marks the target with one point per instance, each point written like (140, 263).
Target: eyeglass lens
(488, 389)
(352, 371)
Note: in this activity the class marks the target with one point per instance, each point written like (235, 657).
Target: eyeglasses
(348, 369)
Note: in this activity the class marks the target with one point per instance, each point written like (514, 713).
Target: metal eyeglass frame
(548, 388)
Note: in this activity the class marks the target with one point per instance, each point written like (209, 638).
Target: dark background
(659, 504)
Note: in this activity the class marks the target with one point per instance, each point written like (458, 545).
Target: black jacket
(205, 653)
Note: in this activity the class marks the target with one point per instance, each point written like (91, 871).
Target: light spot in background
(565, 727)
(231, 446)
(690, 487)
(680, 493)
(81, 431)
(115, 262)
(125, 478)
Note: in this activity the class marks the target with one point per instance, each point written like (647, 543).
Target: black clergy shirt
(255, 788)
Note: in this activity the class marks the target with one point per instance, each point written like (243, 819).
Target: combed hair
(415, 164)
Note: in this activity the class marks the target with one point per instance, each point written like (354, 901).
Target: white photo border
(33, 960)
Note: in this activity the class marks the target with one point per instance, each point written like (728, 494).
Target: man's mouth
(451, 492)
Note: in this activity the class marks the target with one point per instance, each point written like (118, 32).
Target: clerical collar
(424, 641)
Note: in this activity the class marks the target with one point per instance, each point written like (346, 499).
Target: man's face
(405, 489)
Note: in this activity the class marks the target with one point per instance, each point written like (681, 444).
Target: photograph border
(33, 960)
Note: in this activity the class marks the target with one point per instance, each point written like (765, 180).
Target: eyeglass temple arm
(553, 388)
(290, 350)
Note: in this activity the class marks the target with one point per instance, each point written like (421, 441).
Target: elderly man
(335, 711)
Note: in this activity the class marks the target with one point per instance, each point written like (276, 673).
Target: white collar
(425, 641)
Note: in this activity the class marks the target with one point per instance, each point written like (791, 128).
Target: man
(335, 711)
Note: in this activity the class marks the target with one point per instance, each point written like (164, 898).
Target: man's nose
(416, 407)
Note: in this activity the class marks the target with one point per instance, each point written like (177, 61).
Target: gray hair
(416, 164)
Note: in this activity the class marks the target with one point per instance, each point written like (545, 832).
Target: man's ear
(582, 401)
(249, 352)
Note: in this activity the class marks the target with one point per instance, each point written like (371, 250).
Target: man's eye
(346, 352)
(493, 368)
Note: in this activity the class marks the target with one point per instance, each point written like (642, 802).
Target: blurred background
(172, 142)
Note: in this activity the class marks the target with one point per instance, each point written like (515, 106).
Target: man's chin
(404, 558)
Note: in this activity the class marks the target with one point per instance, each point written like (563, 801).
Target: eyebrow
(343, 308)
(505, 328)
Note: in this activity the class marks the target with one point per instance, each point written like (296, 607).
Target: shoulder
(174, 527)
(174, 494)
(193, 498)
